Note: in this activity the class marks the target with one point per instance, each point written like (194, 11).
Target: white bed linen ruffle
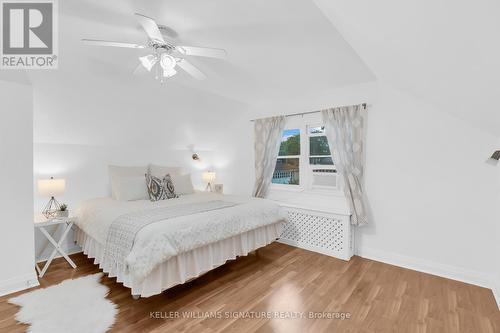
(185, 266)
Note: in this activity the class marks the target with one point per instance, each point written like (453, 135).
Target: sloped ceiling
(445, 52)
(276, 49)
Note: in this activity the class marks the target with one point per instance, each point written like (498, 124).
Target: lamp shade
(148, 61)
(209, 176)
(51, 187)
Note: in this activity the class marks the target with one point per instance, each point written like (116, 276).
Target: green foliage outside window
(290, 143)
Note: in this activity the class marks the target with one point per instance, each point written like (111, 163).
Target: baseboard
(18, 283)
(72, 250)
(430, 267)
(496, 293)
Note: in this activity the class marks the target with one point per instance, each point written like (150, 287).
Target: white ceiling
(445, 52)
(276, 49)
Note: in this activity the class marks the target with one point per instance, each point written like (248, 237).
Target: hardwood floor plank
(282, 280)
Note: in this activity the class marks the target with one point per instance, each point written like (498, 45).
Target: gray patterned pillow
(160, 189)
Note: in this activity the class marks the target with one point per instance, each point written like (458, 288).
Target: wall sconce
(194, 155)
(496, 155)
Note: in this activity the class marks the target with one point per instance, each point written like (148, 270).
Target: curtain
(267, 144)
(345, 129)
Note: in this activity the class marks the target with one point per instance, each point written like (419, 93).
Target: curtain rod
(364, 105)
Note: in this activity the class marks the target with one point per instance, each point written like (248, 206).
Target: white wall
(16, 192)
(433, 196)
(81, 127)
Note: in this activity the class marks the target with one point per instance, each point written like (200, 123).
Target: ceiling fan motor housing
(160, 45)
(167, 61)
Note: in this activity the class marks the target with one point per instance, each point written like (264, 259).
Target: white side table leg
(57, 248)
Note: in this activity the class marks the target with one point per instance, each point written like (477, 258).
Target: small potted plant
(63, 211)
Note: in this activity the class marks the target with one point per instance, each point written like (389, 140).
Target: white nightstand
(41, 223)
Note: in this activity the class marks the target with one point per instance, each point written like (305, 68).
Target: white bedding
(161, 240)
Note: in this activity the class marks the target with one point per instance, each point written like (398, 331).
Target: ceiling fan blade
(191, 70)
(140, 70)
(202, 51)
(150, 27)
(97, 42)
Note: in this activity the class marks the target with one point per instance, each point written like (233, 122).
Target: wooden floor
(293, 282)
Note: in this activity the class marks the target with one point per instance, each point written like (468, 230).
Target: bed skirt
(185, 266)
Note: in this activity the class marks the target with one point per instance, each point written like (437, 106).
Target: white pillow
(131, 188)
(117, 172)
(182, 184)
(161, 171)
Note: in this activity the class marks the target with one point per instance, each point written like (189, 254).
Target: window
(323, 174)
(319, 151)
(305, 160)
(287, 170)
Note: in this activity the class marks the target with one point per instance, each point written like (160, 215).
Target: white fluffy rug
(74, 306)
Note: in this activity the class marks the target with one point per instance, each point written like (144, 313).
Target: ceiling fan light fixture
(148, 61)
(167, 62)
(169, 72)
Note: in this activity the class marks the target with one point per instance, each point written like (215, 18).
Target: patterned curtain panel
(345, 129)
(267, 144)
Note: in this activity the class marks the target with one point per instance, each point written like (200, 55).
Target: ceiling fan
(165, 56)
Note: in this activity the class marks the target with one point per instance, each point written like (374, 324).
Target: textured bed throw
(122, 232)
(138, 236)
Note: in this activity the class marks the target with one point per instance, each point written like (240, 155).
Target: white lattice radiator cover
(321, 232)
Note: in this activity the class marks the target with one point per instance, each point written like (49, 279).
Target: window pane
(290, 142)
(318, 145)
(286, 171)
(321, 160)
(317, 130)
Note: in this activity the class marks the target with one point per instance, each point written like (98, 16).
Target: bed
(152, 246)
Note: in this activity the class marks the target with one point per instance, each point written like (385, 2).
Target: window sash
(289, 156)
(306, 174)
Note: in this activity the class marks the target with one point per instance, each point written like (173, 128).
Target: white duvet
(164, 239)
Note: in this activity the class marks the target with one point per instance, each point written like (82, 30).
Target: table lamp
(209, 178)
(51, 188)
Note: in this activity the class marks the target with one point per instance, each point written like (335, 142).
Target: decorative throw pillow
(160, 189)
